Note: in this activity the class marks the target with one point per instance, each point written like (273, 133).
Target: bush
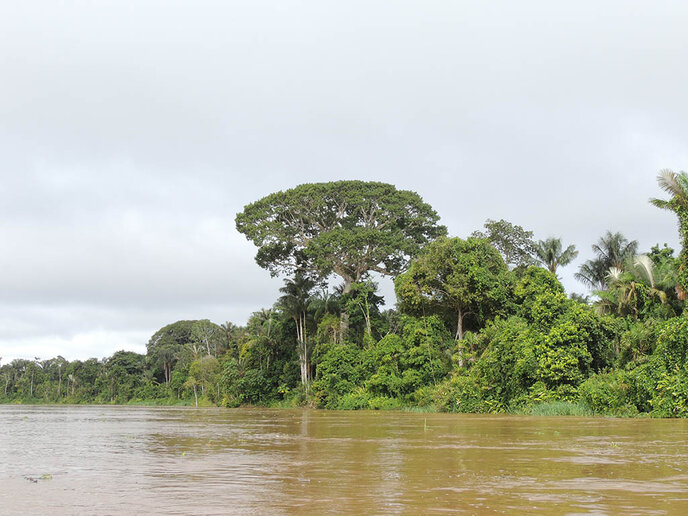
(340, 372)
(383, 403)
(671, 396)
(357, 400)
(608, 394)
(461, 394)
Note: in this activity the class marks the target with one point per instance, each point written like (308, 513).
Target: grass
(161, 402)
(559, 408)
(422, 409)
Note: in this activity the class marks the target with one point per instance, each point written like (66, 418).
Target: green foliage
(611, 250)
(343, 227)
(672, 344)
(533, 282)
(608, 394)
(637, 342)
(340, 373)
(464, 281)
(462, 394)
(671, 395)
(362, 307)
(528, 361)
(550, 254)
(514, 243)
(391, 369)
(509, 364)
(641, 290)
(469, 335)
(167, 345)
(559, 408)
(676, 185)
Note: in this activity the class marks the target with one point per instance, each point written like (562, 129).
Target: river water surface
(145, 460)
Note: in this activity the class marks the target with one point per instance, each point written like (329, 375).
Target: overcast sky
(131, 133)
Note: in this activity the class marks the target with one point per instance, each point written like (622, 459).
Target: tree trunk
(196, 395)
(344, 317)
(302, 343)
(459, 326)
(459, 336)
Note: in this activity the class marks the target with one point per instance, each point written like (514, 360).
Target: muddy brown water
(144, 460)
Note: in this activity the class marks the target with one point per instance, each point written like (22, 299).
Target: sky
(132, 132)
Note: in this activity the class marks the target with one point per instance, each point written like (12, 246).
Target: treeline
(482, 324)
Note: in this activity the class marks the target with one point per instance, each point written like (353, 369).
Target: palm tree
(612, 250)
(551, 256)
(676, 185)
(324, 303)
(632, 289)
(295, 303)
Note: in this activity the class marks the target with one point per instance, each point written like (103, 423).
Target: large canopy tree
(348, 228)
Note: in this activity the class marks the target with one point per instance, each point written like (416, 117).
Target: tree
(295, 303)
(549, 253)
(457, 277)
(124, 373)
(204, 372)
(611, 250)
(232, 332)
(166, 344)
(676, 185)
(514, 243)
(348, 228)
(209, 336)
(640, 289)
(362, 306)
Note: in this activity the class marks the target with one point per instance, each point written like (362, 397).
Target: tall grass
(559, 408)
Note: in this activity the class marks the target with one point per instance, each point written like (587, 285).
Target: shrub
(608, 394)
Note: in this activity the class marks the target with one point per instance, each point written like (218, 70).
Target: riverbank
(545, 409)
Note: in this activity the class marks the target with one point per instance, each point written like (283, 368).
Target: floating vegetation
(47, 476)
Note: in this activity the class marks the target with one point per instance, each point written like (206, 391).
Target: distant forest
(481, 324)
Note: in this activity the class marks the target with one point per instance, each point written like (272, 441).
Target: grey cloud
(132, 132)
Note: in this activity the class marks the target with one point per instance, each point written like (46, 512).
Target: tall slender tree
(550, 253)
(611, 250)
(295, 303)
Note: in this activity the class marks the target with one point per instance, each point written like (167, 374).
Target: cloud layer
(133, 132)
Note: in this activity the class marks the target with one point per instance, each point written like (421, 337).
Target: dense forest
(481, 324)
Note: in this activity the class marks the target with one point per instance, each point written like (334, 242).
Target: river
(166, 460)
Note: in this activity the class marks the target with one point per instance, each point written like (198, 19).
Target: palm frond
(660, 203)
(614, 273)
(645, 268)
(668, 181)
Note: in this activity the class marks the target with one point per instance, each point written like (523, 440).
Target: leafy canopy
(611, 250)
(551, 254)
(345, 227)
(455, 278)
(514, 243)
